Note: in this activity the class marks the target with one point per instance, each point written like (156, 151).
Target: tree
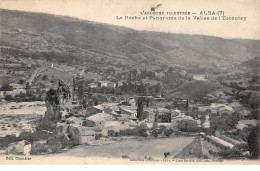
(162, 128)
(8, 98)
(254, 101)
(168, 132)
(80, 89)
(224, 122)
(142, 130)
(45, 77)
(253, 142)
(158, 89)
(255, 114)
(155, 133)
(84, 103)
(140, 108)
(21, 81)
(110, 132)
(187, 125)
(6, 87)
(155, 126)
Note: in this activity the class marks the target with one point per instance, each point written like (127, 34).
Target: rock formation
(56, 101)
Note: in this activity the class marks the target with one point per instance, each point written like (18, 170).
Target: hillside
(194, 89)
(253, 65)
(75, 41)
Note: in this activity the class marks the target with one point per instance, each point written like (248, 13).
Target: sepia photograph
(152, 82)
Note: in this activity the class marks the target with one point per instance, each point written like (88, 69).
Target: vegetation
(187, 126)
(6, 87)
(224, 122)
(253, 142)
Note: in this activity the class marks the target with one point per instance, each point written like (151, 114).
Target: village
(91, 112)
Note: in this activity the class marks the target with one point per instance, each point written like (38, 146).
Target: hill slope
(72, 40)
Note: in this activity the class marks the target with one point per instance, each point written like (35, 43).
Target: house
(93, 85)
(94, 109)
(87, 135)
(99, 119)
(16, 90)
(111, 108)
(177, 115)
(236, 105)
(245, 123)
(221, 108)
(116, 126)
(111, 84)
(119, 83)
(181, 104)
(206, 124)
(132, 111)
(102, 83)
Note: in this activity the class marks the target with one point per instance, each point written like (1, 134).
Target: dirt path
(34, 74)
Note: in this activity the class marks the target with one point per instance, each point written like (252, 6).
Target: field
(131, 148)
(17, 117)
(193, 150)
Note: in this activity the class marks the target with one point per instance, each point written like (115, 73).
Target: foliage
(98, 136)
(236, 152)
(142, 130)
(46, 125)
(155, 133)
(253, 141)
(197, 89)
(255, 114)
(6, 87)
(168, 132)
(155, 125)
(110, 132)
(139, 131)
(45, 77)
(166, 118)
(5, 141)
(8, 98)
(224, 122)
(187, 126)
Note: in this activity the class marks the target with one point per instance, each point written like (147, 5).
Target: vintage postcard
(129, 82)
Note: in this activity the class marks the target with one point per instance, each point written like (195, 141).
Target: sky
(106, 11)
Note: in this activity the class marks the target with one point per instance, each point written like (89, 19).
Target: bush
(155, 133)
(46, 125)
(98, 136)
(155, 125)
(253, 141)
(5, 141)
(8, 98)
(168, 132)
(187, 126)
(143, 126)
(255, 114)
(128, 132)
(6, 87)
(110, 132)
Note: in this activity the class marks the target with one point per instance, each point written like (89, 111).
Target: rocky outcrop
(56, 101)
(19, 148)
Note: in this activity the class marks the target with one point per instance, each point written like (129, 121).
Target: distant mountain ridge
(90, 40)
